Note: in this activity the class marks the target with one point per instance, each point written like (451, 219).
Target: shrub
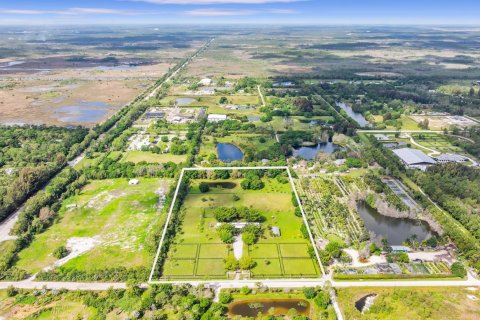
(60, 252)
(322, 299)
(225, 297)
(246, 263)
(204, 187)
(245, 290)
(231, 264)
(458, 270)
(309, 292)
(235, 197)
(226, 232)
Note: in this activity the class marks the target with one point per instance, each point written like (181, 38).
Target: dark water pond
(396, 230)
(357, 116)
(277, 307)
(184, 101)
(228, 152)
(310, 152)
(84, 112)
(360, 304)
(223, 185)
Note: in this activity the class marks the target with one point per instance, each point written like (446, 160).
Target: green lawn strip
(294, 250)
(264, 250)
(211, 267)
(396, 277)
(208, 251)
(300, 267)
(137, 156)
(184, 251)
(183, 267)
(267, 267)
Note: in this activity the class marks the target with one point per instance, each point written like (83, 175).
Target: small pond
(310, 152)
(228, 152)
(395, 229)
(85, 112)
(184, 101)
(223, 185)
(277, 307)
(357, 116)
(253, 118)
(360, 303)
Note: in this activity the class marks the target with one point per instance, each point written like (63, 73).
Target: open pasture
(198, 253)
(107, 222)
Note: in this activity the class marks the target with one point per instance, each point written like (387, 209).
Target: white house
(414, 159)
(133, 182)
(216, 117)
(205, 82)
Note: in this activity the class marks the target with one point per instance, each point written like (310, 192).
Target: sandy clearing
(238, 247)
(356, 261)
(76, 246)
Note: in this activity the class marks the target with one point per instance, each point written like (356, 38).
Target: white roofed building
(414, 159)
(216, 117)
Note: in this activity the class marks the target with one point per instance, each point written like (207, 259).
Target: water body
(395, 229)
(184, 101)
(250, 308)
(228, 152)
(310, 152)
(362, 302)
(83, 112)
(357, 116)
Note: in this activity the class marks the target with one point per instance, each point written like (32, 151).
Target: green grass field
(241, 140)
(137, 156)
(436, 142)
(198, 246)
(112, 212)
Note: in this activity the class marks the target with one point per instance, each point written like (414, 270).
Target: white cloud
(74, 11)
(283, 11)
(216, 1)
(218, 13)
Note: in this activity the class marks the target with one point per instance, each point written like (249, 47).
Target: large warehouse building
(414, 159)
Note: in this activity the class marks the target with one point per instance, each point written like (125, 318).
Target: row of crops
(324, 202)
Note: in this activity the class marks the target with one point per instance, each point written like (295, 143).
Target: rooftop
(413, 156)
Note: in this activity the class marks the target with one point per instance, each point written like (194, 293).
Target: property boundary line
(170, 212)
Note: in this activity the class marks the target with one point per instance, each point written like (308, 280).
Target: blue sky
(240, 11)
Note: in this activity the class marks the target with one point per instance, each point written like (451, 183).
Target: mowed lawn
(112, 212)
(198, 246)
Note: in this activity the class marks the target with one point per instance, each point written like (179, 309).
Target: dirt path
(261, 96)
(238, 247)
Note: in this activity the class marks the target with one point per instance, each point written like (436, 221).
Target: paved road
(7, 225)
(154, 91)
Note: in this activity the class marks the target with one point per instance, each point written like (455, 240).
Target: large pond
(395, 229)
(184, 101)
(357, 116)
(84, 112)
(277, 307)
(310, 152)
(228, 152)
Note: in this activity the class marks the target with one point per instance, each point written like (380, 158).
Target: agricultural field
(436, 142)
(102, 227)
(412, 303)
(199, 252)
(325, 203)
